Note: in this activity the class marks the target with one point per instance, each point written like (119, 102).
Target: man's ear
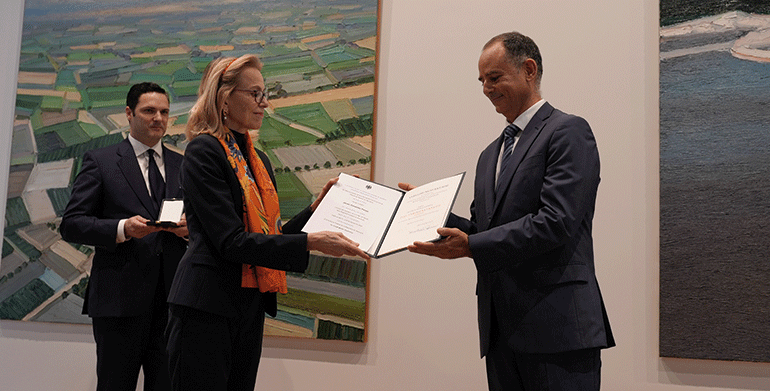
(129, 114)
(530, 68)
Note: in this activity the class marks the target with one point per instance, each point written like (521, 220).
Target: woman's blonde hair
(219, 80)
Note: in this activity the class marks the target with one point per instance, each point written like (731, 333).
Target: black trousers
(578, 370)
(126, 344)
(216, 353)
(509, 370)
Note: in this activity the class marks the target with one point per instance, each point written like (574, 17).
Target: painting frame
(320, 66)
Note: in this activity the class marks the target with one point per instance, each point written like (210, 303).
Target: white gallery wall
(600, 62)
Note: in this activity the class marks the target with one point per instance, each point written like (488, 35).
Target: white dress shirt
(521, 122)
(140, 150)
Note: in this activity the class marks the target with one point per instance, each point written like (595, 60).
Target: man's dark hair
(519, 48)
(137, 90)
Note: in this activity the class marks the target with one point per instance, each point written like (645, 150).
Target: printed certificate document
(384, 220)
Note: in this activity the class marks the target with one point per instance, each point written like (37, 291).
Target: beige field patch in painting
(316, 179)
(43, 78)
(364, 141)
(72, 96)
(216, 48)
(369, 43)
(354, 92)
(321, 37)
(169, 51)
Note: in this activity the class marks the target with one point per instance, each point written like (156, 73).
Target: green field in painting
(341, 53)
(138, 77)
(303, 65)
(323, 304)
(312, 115)
(290, 187)
(168, 68)
(292, 194)
(275, 134)
(277, 50)
(113, 96)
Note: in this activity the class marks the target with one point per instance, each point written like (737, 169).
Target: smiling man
(542, 321)
(117, 192)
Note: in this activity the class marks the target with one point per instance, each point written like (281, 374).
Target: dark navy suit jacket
(531, 241)
(110, 187)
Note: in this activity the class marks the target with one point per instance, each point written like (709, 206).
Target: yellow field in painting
(45, 78)
(339, 109)
(354, 92)
(369, 43)
(68, 95)
(364, 141)
(316, 179)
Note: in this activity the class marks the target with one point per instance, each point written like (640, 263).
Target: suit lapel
(133, 174)
(485, 199)
(528, 136)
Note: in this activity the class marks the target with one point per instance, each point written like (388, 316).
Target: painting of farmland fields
(79, 58)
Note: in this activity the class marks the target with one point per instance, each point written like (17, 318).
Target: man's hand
(453, 245)
(405, 186)
(136, 227)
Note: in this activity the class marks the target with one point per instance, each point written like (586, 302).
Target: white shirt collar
(140, 148)
(523, 119)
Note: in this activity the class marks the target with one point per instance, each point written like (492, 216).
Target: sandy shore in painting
(754, 46)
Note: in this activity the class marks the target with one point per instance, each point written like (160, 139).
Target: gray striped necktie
(509, 136)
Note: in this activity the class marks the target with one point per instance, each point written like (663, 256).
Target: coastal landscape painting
(714, 180)
(78, 59)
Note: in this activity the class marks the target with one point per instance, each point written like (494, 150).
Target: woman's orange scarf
(261, 212)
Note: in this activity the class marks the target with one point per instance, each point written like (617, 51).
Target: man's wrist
(121, 234)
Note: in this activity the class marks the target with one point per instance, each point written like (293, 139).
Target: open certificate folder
(382, 219)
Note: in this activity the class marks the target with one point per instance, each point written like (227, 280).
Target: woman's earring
(224, 116)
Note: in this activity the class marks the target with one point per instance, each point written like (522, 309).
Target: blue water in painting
(297, 320)
(715, 145)
(715, 108)
(714, 207)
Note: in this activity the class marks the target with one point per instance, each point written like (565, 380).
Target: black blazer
(209, 274)
(110, 187)
(531, 242)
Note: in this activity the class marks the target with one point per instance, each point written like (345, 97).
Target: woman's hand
(181, 228)
(325, 190)
(334, 243)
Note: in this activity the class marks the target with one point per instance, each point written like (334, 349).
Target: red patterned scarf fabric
(261, 212)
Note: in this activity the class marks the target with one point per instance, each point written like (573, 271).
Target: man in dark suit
(542, 321)
(118, 191)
